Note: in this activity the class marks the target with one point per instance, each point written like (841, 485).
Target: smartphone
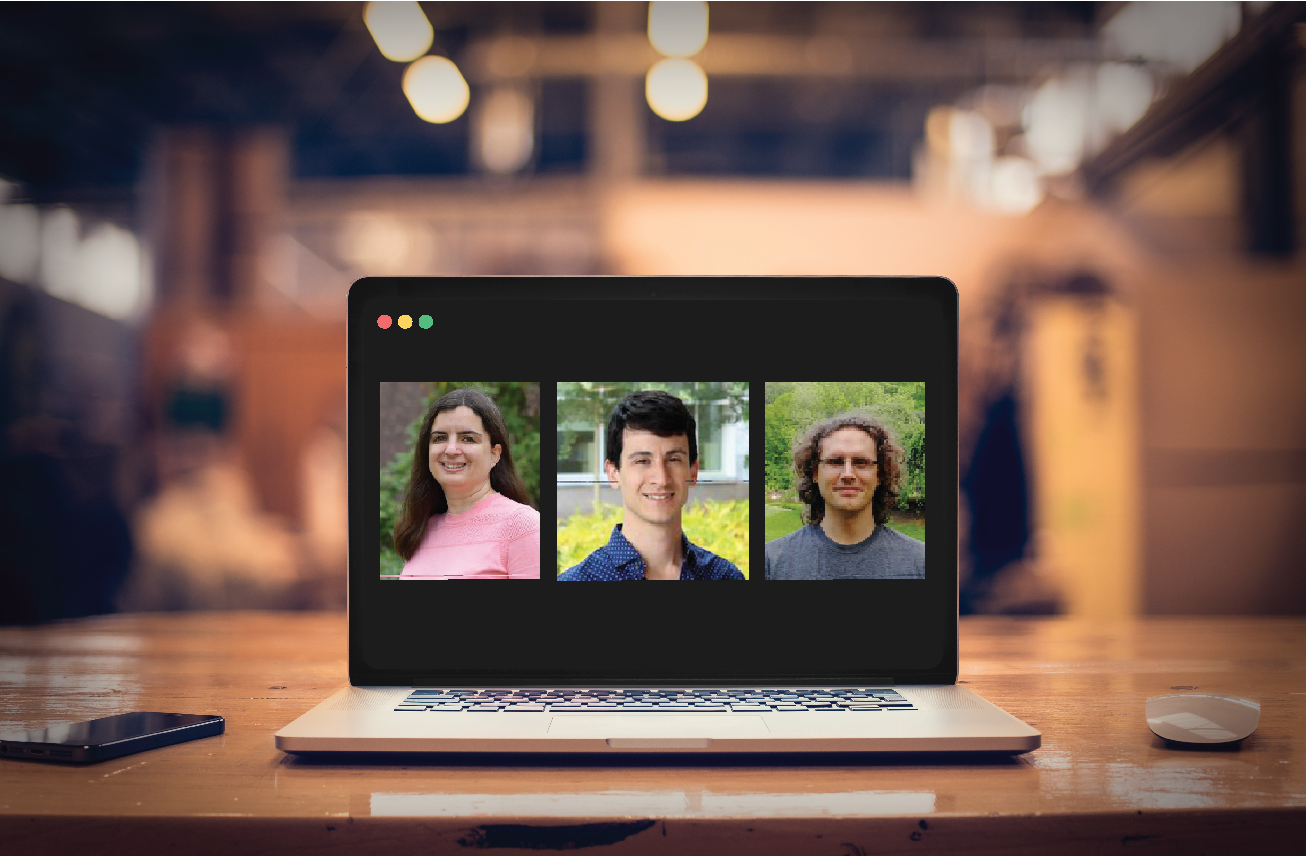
(110, 737)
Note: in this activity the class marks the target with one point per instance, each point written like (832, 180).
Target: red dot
(384, 322)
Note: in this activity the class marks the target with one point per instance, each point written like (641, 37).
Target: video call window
(460, 481)
(652, 481)
(845, 480)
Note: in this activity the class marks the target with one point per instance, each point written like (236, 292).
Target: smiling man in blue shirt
(652, 458)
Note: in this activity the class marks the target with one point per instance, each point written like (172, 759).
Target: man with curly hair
(849, 474)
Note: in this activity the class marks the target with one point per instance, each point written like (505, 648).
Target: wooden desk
(1100, 783)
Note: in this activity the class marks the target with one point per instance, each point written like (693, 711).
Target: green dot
(425, 322)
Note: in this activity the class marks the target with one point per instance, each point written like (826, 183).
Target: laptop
(807, 653)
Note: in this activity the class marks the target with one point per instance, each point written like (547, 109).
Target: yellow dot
(405, 321)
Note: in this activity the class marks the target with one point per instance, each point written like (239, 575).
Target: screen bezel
(931, 294)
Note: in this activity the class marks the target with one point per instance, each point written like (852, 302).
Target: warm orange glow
(505, 130)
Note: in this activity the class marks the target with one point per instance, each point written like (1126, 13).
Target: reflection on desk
(656, 804)
(1101, 781)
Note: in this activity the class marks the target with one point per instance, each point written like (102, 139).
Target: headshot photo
(845, 481)
(461, 501)
(652, 481)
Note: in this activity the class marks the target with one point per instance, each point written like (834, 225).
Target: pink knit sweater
(495, 539)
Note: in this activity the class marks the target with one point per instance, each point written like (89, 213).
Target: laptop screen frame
(935, 295)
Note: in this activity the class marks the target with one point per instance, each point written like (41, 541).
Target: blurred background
(187, 190)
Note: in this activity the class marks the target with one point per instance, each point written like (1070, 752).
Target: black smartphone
(110, 737)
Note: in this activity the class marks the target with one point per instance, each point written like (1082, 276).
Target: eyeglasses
(859, 464)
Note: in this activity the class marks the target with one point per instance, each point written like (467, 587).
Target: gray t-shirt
(809, 554)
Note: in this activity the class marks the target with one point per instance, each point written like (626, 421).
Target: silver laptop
(802, 479)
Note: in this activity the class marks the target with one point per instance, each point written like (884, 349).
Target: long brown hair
(424, 497)
(807, 455)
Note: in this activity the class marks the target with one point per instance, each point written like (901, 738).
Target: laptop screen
(780, 447)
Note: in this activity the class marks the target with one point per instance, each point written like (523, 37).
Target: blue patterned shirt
(619, 560)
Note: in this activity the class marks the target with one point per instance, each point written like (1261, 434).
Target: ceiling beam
(758, 55)
(1209, 99)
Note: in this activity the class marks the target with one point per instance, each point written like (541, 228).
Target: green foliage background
(519, 404)
(793, 407)
(718, 526)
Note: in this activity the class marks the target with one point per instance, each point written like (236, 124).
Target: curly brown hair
(425, 498)
(807, 454)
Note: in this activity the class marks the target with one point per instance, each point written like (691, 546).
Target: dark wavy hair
(807, 455)
(424, 497)
(654, 411)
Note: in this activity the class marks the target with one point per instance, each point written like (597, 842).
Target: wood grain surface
(1101, 782)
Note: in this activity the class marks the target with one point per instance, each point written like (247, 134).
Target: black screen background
(688, 328)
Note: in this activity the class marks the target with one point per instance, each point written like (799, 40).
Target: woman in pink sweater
(466, 513)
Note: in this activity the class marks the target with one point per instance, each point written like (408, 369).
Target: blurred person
(466, 513)
(849, 474)
(652, 458)
(324, 488)
(205, 541)
(206, 544)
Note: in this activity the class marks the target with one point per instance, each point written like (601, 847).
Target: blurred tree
(781, 429)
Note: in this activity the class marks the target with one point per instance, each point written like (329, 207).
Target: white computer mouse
(1202, 717)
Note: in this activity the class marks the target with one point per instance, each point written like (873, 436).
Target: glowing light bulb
(1016, 188)
(678, 29)
(1056, 124)
(436, 89)
(400, 29)
(676, 89)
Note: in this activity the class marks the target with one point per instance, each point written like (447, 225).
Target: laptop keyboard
(694, 701)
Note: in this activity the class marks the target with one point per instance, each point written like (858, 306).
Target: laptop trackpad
(630, 731)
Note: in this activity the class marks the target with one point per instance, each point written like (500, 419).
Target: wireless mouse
(1202, 717)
